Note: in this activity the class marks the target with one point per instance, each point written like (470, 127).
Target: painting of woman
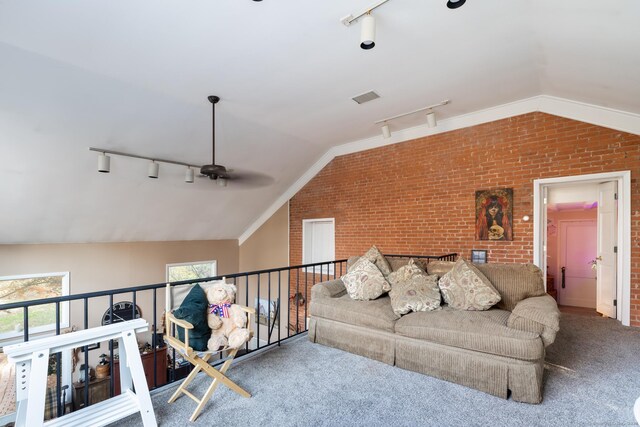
(494, 214)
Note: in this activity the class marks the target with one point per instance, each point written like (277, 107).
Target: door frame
(623, 264)
(561, 256)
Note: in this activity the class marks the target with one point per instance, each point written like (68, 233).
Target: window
(318, 242)
(42, 318)
(191, 270)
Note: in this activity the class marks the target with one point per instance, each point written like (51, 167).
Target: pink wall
(553, 234)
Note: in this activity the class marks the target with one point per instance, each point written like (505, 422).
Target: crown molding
(575, 110)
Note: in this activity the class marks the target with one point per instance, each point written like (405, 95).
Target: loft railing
(270, 286)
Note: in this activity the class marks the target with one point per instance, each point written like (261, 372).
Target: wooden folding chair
(199, 359)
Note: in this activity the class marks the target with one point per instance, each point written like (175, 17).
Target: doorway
(613, 252)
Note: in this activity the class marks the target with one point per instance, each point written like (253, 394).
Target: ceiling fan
(214, 171)
(220, 173)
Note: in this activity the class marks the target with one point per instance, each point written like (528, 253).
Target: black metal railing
(297, 281)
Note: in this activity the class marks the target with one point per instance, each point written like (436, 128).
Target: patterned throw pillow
(365, 282)
(376, 257)
(466, 288)
(413, 290)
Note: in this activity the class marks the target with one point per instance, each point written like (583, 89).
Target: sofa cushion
(484, 331)
(514, 282)
(440, 267)
(413, 290)
(465, 288)
(375, 314)
(397, 262)
(364, 281)
(351, 262)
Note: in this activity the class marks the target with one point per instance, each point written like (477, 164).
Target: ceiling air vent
(366, 97)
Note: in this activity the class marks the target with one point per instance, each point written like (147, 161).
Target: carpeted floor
(592, 378)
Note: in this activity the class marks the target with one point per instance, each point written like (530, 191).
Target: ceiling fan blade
(247, 179)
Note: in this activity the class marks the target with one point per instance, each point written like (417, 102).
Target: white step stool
(32, 360)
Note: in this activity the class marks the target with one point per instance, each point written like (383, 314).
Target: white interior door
(606, 260)
(577, 248)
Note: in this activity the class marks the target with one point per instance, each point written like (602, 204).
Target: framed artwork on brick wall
(494, 214)
(478, 256)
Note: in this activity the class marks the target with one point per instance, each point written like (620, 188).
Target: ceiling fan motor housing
(214, 171)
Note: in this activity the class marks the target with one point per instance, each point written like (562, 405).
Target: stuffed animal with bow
(227, 320)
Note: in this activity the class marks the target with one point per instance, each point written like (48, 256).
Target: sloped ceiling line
(600, 116)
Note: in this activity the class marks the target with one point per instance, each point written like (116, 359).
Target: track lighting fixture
(104, 163)
(188, 175)
(431, 117)
(368, 25)
(386, 132)
(153, 169)
(368, 29)
(368, 32)
(454, 4)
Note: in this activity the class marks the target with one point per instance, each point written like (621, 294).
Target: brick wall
(417, 197)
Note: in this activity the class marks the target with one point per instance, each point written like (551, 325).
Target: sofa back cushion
(351, 261)
(514, 282)
(440, 267)
(397, 263)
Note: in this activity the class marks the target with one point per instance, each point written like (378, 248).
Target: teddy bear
(226, 319)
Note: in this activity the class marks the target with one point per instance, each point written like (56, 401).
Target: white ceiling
(134, 77)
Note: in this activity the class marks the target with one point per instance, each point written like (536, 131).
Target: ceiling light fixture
(454, 4)
(153, 170)
(104, 163)
(386, 132)
(368, 30)
(189, 175)
(222, 182)
(431, 117)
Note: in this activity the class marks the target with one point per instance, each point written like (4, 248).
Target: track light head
(431, 119)
(104, 163)
(386, 132)
(188, 175)
(454, 4)
(153, 169)
(368, 32)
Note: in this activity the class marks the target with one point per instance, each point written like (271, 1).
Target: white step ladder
(32, 360)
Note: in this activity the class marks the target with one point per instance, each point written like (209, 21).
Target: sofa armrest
(539, 315)
(329, 289)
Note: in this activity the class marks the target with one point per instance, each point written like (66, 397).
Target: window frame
(213, 262)
(304, 260)
(64, 306)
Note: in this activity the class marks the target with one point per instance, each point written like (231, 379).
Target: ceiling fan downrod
(213, 100)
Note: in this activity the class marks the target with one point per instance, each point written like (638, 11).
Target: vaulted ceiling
(134, 77)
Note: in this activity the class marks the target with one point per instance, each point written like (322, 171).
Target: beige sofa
(498, 351)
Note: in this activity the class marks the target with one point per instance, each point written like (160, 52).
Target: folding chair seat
(199, 359)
